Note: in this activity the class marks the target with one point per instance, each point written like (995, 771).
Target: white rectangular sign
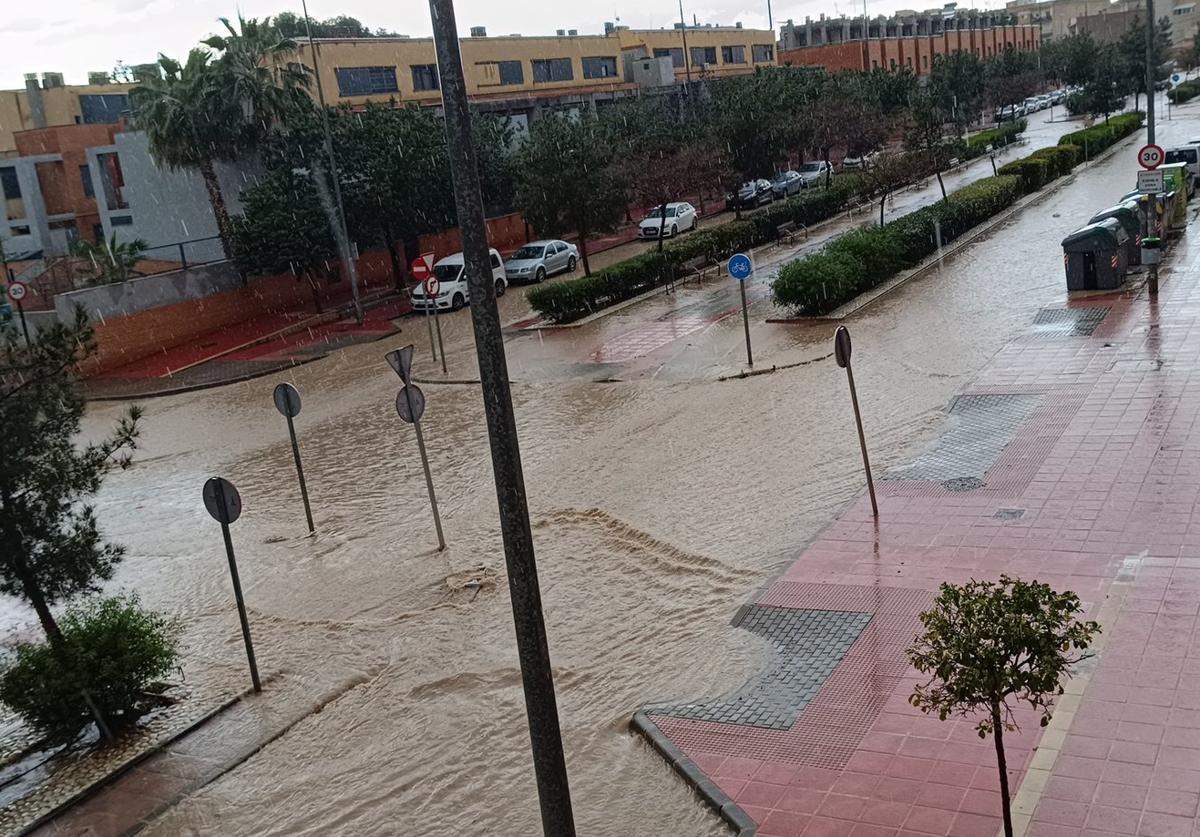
(1149, 182)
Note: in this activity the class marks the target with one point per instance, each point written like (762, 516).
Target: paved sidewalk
(1073, 459)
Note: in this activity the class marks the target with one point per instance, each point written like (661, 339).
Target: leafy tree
(292, 25)
(1132, 49)
(851, 115)
(932, 132)
(1105, 91)
(959, 77)
(206, 110)
(112, 261)
(1010, 77)
(568, 180)
(986, 644)
(886, 173)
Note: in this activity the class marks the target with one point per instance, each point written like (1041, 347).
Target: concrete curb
(717, 799)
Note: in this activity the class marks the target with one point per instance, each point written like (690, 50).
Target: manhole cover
(1009, 514)
(963, 484)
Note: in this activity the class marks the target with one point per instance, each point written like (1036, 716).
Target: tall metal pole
(344, 238)
(533, 651)
(687, 59)
(1150, 71)
(300, 473)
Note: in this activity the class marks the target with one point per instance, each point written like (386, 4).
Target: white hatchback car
(679, 217)
(452, 278)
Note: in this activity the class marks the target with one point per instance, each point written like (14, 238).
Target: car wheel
(457, 302)
(674, 231)
(571, 265)
(540, 276)
(500, 287)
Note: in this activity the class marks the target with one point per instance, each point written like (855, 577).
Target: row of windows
(366, 81)
(924, 60)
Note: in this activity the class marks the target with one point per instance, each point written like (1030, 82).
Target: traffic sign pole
(741, 268)
(437, 518)
(16, 292)
(24, 325)
(1150, 157)
(410, 406)
(842, 352)
(225, 505)
(287, 401)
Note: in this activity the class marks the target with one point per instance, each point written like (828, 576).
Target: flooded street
(660, 500)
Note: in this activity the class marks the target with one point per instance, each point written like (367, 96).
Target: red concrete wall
(122, 340)
(915, 52)
(505, 232)
(833, 57)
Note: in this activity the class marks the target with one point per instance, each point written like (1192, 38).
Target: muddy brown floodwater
(659, 506)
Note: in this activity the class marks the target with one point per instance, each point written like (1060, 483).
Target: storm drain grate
(1009, 514)
(984, 426)
(809, 644)
(1068, 322)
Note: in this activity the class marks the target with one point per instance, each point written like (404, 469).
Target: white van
(452, 278)
(1189, 155)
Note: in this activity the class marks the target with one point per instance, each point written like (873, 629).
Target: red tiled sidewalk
(1096, 492)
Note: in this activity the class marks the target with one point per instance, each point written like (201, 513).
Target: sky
(75, 36)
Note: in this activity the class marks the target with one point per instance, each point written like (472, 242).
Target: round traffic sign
(17, 291)
(287, 400)
(410, 403)
(842, 347)
(421, 266)
(222, 500)
(1151, 157)
(1175, 77)
(432, 286)
(740, 266)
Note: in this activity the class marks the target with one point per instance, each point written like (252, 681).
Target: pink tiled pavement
(1099, 485)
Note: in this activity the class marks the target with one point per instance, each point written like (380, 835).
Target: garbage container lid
(1127, 215)
(1102, 235)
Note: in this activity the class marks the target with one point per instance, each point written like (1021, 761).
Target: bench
(692, 267)
(787, 231)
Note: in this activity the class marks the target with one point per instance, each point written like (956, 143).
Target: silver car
(539, 259)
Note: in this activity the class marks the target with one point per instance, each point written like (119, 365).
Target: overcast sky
(75, 36)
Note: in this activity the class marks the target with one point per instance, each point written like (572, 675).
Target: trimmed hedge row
(1099, 137)
(1184, 92)
(575, 298)
(1002, 134)
(860, 260)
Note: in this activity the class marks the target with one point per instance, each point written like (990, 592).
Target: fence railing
(180, 251)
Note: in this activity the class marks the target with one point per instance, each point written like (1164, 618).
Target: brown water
(659, 505)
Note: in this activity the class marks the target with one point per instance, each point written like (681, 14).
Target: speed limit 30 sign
(1151, 157)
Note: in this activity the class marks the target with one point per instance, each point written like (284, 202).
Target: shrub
(1063, 158)
(1095, 139)
(1184, 92)
(575, 298)
(112, 648)
(862, 259)
(1035, 172)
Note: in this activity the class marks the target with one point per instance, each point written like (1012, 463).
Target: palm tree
(112, 261)
(218, 108)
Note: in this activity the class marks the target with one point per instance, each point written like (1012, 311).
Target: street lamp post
(344, 234)
(549, 762)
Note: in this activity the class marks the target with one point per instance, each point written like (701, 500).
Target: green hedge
(1099, 137)
(1001, 135)
(1063, 158)
(575, 298)
(1035, 172)
(1184, 92)
(860, 260)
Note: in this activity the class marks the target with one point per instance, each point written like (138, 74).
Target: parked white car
(679, 218)
(864, 161)
(814, 172)
(452, 277)
(539, 259)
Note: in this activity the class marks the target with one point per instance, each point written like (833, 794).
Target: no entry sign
(422, 267)
(1151, 157)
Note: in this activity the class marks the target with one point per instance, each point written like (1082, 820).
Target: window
(602, 67)
(675, 54)
(496, 261)
(909, 61)
(20, 230)
(511, 72)
(704, 55)
(101, 108)
(9, 184)
(425, 76)
(733, 55)
(121, 221)
(925, 61)
(85, 174)
(893, 62)
(363, 81)
(552, 69)
(762, 53)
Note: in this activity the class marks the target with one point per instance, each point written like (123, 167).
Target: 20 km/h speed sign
(1151, 157)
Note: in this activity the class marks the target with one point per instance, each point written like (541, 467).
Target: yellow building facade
(65, 105)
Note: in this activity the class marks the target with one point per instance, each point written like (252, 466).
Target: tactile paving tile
(809, 645)
(1067, 322)
(985, 425)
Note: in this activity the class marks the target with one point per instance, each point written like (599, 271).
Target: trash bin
(1175, 179)
(1095, 256)
(1130, 222)
(1151, 250)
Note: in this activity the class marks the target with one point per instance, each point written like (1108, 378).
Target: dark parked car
(750, 194)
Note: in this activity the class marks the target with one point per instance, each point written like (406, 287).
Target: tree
(850, 115)
(1193, 54)
(886, 173)
(1132, 49)
(1010, 77)
(292, 25)
(112, 261)
(1105, 91)
(960, 77)
(986, 644)
(205, 110)
(567, 179)
(660, 177)
(932, 132)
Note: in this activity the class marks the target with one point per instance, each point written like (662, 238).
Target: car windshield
(528, 252)
(1186, 155)
(810, 167)
(657, 212)
(784, 177)
(447, 272)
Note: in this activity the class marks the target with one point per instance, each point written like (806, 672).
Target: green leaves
(987, 643)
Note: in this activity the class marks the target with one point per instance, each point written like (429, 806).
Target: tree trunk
(217, 201)
(828, 170)
(583, 254)
(882, 201)
(1005, 798)
(940, 182)
(662, 223)
(389, 241)
(316, 294)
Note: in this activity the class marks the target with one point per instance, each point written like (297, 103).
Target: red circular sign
(432, 286)
(1151, 157)
(17, 291)
(420, 268)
